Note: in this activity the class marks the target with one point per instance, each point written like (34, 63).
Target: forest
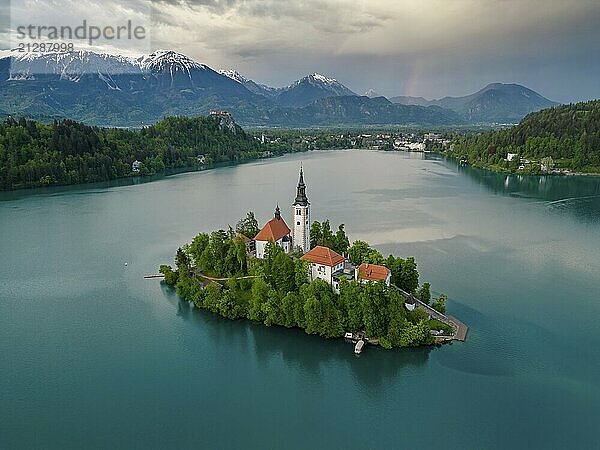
(568, 136)
(276, 290)
(66, 152)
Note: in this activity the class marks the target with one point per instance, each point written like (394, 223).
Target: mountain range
(110, 90)
(496, 102)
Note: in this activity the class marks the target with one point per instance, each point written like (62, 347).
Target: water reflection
(309, 354)
(578, 195)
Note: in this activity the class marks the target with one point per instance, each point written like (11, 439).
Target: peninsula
(308, 276)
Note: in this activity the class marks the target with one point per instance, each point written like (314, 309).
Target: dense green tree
(568, 134)
(350, 295)
(283, 273)
(439, 304)
(248, 226)
(341, 242)
(316, 234)
(259, 296)
(358, 252)
(66, 152)
(424, 293)
(171, 275)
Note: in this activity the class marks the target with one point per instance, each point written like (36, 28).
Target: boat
(359, 346)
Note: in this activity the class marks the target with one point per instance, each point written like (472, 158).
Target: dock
(156, 275)
(460, 328)
(360, 340)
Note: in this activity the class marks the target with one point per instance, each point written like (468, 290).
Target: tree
(272, 309)
(182, 261)
(283, 273)
(316, 234)
(409, 276)
(358, 252)
(171, 275)
(424, 293)
(350, 295)
(287, 309)
(301, 270)
(439, 304)
(341, 241)
(248, 226)
(374, 302)
(313, 315)
(259, 296)
(199, 244)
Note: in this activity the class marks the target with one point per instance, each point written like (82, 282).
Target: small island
(311, 278)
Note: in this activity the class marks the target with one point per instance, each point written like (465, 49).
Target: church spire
(277, 212)
(301, 198)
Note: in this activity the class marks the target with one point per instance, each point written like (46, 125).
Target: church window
(298, 223)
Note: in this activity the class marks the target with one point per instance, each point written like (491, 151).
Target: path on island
(460, 329)
(201, 275)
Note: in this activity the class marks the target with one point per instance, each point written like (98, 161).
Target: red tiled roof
(373, 272)
(244, 237)
(273, 230)
(323, 255)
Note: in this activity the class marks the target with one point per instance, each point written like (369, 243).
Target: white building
(136, 165)
(511, 156)
(275, 230)
(327, 265)
(301, 217)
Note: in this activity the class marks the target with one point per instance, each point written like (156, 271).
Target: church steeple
(301, 198)
(277, 212)
(301, 217)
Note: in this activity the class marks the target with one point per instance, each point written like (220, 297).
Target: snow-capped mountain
(249, 84)
(372, 93)
(169, 61)
(310, 88)
(113, 90)
(299, 93)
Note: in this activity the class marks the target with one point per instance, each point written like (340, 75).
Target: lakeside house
(372, 272)
(327, 265)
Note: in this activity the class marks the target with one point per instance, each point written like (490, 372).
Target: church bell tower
(301, 217)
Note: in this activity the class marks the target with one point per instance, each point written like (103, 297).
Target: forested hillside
(569, 134)
(66, 152)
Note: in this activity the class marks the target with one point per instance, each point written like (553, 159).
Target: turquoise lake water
(94, 356)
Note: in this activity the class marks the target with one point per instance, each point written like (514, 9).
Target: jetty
(360, 340)
(154, 275)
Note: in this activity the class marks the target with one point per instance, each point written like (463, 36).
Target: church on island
(325, 263)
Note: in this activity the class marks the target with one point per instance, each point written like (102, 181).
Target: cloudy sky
(427, 48)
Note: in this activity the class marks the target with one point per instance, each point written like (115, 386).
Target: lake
(95, 356)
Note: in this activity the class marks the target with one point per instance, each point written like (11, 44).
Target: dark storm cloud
(415, 47)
